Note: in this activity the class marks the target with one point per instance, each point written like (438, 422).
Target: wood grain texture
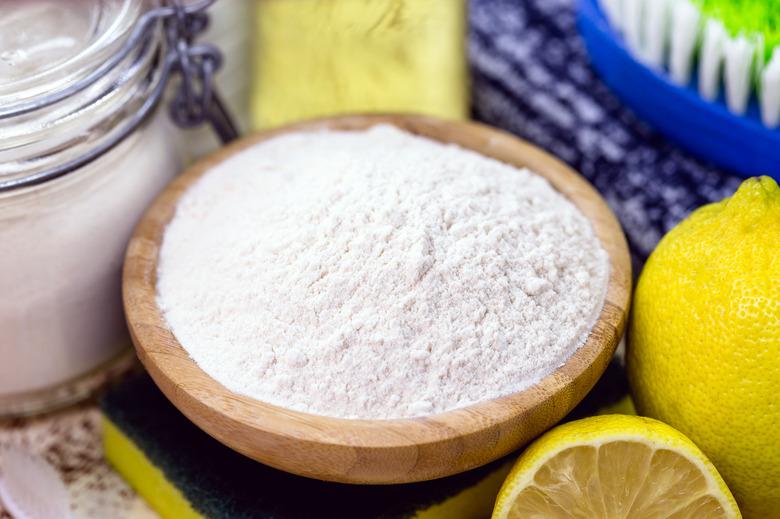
(376, 451)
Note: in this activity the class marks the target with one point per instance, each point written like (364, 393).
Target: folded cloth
(531, 76)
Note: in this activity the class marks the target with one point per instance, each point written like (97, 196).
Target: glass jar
(314, 58)
(62, 240)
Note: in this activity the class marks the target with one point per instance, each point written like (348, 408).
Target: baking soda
(377, 274)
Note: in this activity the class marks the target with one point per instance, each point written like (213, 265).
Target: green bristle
(749, 18)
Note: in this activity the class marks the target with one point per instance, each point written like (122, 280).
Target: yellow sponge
(315, 58)
(185, 474)
(143, 476)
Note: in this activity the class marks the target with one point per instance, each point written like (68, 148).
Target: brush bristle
(769, 91)
(711, 59)
(683, 37)
(656, 32)
(732, 45)
(614, 11)
(738, 55)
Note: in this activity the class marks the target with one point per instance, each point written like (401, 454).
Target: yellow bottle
(321, 57)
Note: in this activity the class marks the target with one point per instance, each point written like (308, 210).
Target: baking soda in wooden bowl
(375, 274)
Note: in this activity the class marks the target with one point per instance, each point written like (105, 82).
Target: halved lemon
(614, 467)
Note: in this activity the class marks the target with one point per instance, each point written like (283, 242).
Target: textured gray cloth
(531, 76)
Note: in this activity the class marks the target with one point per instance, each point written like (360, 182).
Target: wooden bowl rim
(174, 371)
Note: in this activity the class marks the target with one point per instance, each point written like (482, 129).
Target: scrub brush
(722, 46)
(705, 73)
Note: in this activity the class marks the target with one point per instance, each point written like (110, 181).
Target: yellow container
(322, 57)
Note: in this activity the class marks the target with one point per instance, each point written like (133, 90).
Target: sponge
(315, 58)
(185, 474)
(610, 395)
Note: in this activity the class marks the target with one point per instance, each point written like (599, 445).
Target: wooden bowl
(376, 451)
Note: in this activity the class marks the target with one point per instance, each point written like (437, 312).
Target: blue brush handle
(740, 143)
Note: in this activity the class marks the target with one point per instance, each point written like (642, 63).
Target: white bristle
(770, 91)
(656, 24)
(684, 31)
(667, 33)
(739, 54)
(710, 59)
(614, 11)
(632, 23)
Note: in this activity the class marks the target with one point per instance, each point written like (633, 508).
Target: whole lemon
(704, 343)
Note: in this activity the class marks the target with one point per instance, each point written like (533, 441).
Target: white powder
(377, 275)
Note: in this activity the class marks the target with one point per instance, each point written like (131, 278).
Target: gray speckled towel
(531, 76)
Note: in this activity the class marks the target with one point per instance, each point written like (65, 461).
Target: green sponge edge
(185, 474)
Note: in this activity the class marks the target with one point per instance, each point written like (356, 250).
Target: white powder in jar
(61, 249)
(377, 275)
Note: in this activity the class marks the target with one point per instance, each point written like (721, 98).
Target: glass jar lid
(76, 78)
(48, 44)
(47, 47)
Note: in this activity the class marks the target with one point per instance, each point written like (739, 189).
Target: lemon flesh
(704, 342)
(614, 467)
